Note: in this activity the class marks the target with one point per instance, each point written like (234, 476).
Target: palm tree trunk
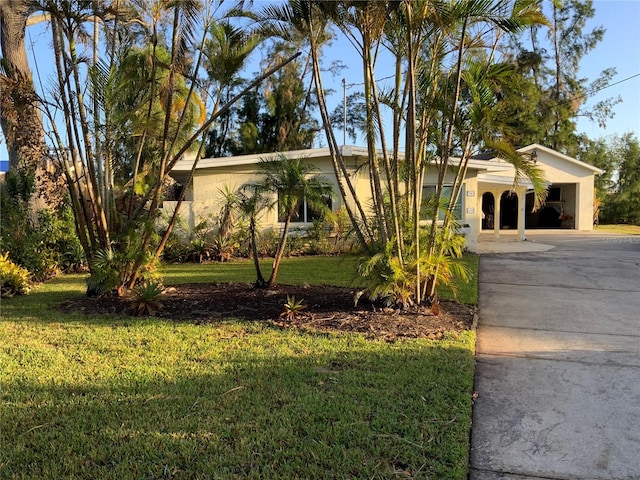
(19, 116)
(393, 213)
(342, 175)
(374, 169)
(279, 252)
(445, 149)
(260, 281)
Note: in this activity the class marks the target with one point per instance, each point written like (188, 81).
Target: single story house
(489, 201)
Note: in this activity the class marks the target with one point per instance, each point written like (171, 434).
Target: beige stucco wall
(205, 197)
(560, 171)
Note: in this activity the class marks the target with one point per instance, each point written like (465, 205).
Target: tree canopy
(139, 84)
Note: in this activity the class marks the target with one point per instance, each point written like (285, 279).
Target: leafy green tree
(544, 101)
(308, 20)
(439, 104)
(599, 153)
(251, 202)
(276, 118)
(135, 114)
(287, 123)
(40, 241)
(430, 43)
(226, 51)
(623, 203)
(355, 115)
(132, 106)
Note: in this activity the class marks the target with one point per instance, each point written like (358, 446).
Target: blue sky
(620, 48)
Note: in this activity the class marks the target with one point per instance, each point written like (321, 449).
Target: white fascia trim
(502, 180)
(253, 159)
(562, 156)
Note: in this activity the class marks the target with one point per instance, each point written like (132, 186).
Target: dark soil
(326, 308)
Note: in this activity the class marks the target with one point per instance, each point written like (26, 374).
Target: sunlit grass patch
(127, 398)
(623, 229)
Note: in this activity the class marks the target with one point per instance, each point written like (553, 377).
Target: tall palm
(309, 20)
(363, 23)
(474, 29)
(20, 118)
(292, 181)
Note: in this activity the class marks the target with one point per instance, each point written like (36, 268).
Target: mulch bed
(326, 308)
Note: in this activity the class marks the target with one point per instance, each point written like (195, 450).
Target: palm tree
(152, 90)
(309, 20)
(291, 181)
(252, 201)
(431, 42)
(472, 31)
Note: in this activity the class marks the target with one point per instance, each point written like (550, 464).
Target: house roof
(484, 164)
(186, 163)
(562, 156)
(349, 151)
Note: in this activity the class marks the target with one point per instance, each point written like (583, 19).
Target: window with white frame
(303, 212)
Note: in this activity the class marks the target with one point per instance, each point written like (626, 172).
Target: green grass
(326, 270)
(624, 229)
(128, 398)
(322, 270)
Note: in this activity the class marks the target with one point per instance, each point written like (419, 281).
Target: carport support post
(522, 209)
(496, 213)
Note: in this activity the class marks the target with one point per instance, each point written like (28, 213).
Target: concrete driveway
(558, 361)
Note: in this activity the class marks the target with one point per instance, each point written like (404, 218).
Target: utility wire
(586, 94)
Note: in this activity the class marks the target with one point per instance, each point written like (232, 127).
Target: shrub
(106, 273)
(74, 260)
(146, 298)
(35, 240)
(111, 268)
(14, 280)
(223, 249)
(292, 308)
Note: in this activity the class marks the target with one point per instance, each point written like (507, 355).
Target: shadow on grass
(347, 410)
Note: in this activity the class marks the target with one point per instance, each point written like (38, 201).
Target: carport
(503, 204)
(506, 206)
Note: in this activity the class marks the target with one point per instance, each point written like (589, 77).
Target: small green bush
(35, 240)
(147, 298)
(14, 279)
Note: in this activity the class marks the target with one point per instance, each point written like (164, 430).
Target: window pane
(313, 214)
(426, 209)
(428, 194)
(457, 209)
(298, 215)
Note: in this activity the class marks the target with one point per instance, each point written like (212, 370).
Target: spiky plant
(292, 308)
(147, 298)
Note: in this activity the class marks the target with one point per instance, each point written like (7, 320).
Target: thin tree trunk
(393, 221)
(102, 226)
(446, 149)
(279, 252)
(339, 167)
(374, 170)
(260, 281)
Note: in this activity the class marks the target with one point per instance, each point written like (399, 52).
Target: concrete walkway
(558, 360)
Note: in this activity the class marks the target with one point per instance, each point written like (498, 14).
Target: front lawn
(127, 398)
(622, 229)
